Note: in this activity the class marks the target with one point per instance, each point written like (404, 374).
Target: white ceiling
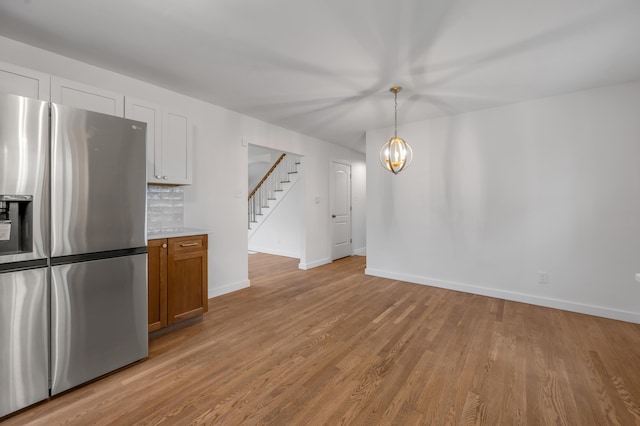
(324, 67)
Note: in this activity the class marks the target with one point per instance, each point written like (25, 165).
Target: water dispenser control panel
(16, 221)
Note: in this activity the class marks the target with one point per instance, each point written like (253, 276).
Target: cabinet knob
(333, 216)
(165, 177)
(164, 245)
(157, 176)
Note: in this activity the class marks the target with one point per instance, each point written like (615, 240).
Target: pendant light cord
(395, 95)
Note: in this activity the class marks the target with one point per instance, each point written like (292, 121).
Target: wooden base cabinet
(157, 283)
(177, 280)
(187, 278)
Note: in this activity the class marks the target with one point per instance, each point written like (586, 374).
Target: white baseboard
(513, 296)
(315, 264)
(275, 252)
(360, 252)
(228, 288)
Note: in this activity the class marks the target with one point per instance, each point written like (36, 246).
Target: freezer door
(98, 318)
(24, 345)
(98, 183)
(24, 159)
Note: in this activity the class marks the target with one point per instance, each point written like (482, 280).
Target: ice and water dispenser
(16, 224)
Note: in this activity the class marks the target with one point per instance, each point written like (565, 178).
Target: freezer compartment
(24, 345)
(24, 160)
(98, 318)
(98, 182)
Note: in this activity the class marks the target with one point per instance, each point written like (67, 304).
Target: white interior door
(340, 210)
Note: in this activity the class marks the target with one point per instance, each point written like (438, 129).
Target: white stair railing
(271, 183)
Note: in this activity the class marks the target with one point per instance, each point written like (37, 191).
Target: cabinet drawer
(187, 244)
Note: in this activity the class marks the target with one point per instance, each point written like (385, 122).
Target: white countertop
(184, 232)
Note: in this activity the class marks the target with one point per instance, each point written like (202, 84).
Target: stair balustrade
(270, 184)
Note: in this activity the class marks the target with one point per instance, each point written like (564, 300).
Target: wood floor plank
(333, 346)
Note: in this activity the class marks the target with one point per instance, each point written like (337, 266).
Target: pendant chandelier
(396, 154)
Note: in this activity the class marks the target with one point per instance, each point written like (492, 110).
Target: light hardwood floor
(333, 346)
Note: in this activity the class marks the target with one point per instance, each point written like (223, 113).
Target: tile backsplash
(165, 208)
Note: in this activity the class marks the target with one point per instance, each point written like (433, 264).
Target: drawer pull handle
(189, 244)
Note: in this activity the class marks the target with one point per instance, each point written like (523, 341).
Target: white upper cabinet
(151, 114)
(24, 82)
(78, 95)
(168, 142)
(176, 148)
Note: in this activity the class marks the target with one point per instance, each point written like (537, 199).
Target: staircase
(271, 189)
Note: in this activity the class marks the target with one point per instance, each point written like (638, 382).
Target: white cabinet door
(24, 82)
(150, 113)
(168, 142)
(176, 148)
(78, 95)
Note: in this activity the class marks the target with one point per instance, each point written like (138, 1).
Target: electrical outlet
(543, 277)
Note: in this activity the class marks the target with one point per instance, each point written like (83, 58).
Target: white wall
(495, 196)
(317, 156)
(281, 231)
(220, 165)
(260, 161)
(359, 206)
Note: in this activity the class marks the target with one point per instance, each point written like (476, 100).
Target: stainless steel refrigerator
(24, 249)
(73, 272)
